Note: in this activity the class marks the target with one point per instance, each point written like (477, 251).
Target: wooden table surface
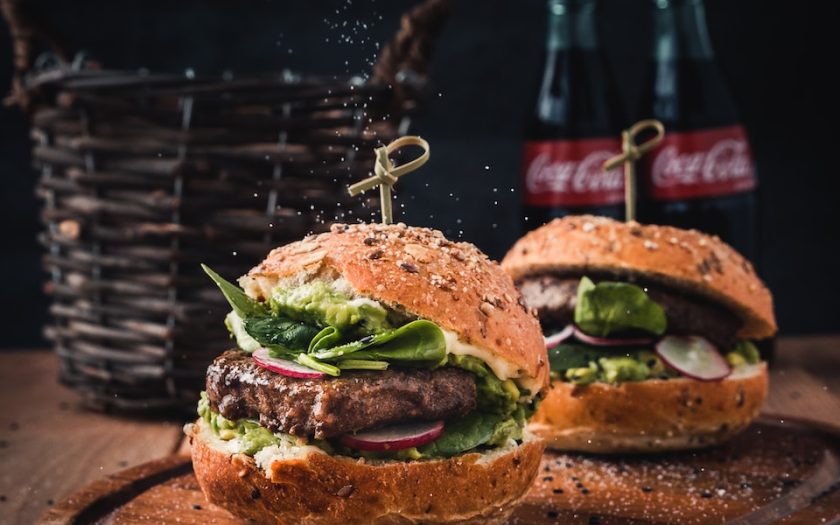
(50, 446)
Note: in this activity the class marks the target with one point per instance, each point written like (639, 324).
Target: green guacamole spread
(320, 304)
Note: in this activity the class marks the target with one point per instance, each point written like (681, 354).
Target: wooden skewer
(386, 175)
(631, 152)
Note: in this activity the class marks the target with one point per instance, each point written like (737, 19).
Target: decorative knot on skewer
(631, 152)
(386, 174)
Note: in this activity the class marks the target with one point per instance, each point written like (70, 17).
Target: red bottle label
(568, 173)
(701, 164)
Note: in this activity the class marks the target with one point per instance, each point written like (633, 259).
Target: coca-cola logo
(545, 175)
(727, 161)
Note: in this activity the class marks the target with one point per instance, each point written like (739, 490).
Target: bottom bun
(650, 416)
(316, 488)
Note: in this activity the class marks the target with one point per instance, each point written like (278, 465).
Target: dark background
(779, 58)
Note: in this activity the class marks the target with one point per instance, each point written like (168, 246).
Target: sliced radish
(398, 437)
(283, 366)
(693, 357)
(554, 340)
(580, 335)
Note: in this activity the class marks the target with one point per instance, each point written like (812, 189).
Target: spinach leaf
(311, 362)
(358, 364)
(326, 338)
(418, 343)
(243, 305)
(463, 434)
(281, 332)
(613, 307)
(570, 355)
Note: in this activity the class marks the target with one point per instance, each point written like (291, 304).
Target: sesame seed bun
(420, 272)
(317, 488)
(685, 260)
(650, 416)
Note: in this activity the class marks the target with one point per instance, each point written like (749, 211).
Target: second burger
(650, 332)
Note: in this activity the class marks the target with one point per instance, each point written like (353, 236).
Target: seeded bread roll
(685, 260)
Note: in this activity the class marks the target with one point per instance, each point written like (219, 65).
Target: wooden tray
(776, 472)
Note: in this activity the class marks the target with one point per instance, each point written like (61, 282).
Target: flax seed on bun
(686, 260)
(419, 271)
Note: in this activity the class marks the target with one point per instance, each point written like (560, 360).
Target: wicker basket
(144, 176)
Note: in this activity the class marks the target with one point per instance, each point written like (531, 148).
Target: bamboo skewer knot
(386, 174)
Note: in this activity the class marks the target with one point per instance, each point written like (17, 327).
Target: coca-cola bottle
(576, 124)
(702, 175)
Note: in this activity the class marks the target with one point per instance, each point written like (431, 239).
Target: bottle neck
(680, 30)
(571, 25)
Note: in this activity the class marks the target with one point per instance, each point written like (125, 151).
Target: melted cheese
(502, 369)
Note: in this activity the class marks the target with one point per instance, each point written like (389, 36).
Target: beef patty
(555, 297)
(324, 408)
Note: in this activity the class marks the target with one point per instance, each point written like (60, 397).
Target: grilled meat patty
(323, 408)
(555, 297)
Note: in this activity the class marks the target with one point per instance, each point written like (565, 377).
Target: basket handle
(24, 27)
(411, 48)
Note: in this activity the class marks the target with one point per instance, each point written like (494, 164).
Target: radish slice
(554, 340)
(398, 437)
(284, 366)
(693, 357)
(580, 335)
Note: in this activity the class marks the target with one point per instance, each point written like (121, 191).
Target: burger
(651, 332)
(383, 374)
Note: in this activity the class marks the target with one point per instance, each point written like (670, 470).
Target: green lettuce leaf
(609, 308)
(464, 434)
(279, 333)
(326, 338)
(243, 305)
(571, 355)
(418, 343)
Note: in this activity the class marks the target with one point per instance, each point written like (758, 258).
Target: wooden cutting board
(775, 472)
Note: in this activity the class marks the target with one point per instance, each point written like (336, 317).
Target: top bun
(686, 260)
(419, 271)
